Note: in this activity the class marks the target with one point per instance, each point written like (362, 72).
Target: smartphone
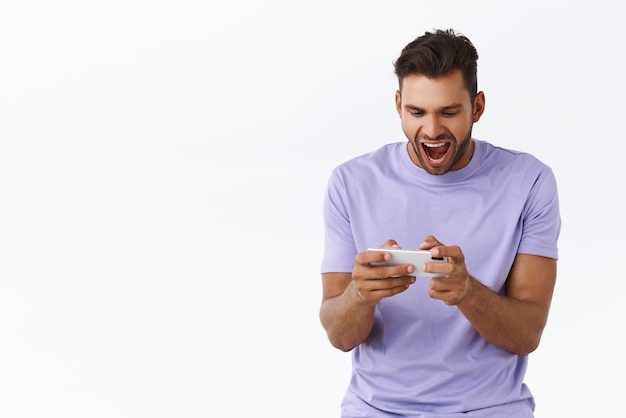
(415, 257)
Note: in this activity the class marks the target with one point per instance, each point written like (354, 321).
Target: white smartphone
(415, 257)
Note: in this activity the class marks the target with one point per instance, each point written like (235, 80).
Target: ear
(399, 103)
(479, 106)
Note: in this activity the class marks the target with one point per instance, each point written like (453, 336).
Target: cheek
(410, 126)
(460, 129)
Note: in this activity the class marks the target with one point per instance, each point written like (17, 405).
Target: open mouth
(436, 151)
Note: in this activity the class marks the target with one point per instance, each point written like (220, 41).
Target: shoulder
(371, 162)
(519, 162)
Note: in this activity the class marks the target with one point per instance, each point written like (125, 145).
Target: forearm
(511, 324)
(347, 319)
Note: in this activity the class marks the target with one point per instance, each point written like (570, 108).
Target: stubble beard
(459, 150)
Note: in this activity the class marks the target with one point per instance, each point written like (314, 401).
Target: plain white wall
(162, 166)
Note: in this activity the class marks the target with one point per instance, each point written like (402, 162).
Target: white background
(162, 166)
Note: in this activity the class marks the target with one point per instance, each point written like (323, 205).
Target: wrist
(470, 296)
(358, 296)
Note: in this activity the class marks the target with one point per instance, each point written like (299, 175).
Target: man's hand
(455, 283)
(373, 283)
(513, 321)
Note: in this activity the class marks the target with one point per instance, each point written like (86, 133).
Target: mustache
(437, 138)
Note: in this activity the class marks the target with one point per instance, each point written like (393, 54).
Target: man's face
(437, 117)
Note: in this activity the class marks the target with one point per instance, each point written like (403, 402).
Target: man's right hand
(374, 283)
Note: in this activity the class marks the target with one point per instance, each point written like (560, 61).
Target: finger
(364, 258)
(429, 242)
(444, 296)
(451, 291)
(439, 269)
(390, 243)
(373, 290)
(453, 253)
(393, 270)
(387, 293)
(375, 285)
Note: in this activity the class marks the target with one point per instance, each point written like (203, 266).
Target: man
(454, 345)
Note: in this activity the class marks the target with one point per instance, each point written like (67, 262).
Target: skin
(434, 111)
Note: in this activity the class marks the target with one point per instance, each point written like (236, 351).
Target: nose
(432, 126)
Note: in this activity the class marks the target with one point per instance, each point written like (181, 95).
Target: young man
(454, 345)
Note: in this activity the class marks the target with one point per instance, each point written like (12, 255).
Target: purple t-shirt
(423, 358)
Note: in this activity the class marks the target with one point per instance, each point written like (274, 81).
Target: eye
(449, 114)
(417, 113)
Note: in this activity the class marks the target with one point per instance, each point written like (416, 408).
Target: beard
(458, 150)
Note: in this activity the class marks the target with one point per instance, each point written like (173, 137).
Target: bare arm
(346, 317)
(513, 322)
(516, 321)
(349, 299)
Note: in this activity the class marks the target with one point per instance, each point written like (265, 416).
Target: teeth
(440, 144)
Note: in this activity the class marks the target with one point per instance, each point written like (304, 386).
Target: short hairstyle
(439, 54)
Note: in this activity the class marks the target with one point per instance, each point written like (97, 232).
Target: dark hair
(438, 54)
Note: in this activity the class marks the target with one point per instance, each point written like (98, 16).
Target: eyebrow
(453, 106)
